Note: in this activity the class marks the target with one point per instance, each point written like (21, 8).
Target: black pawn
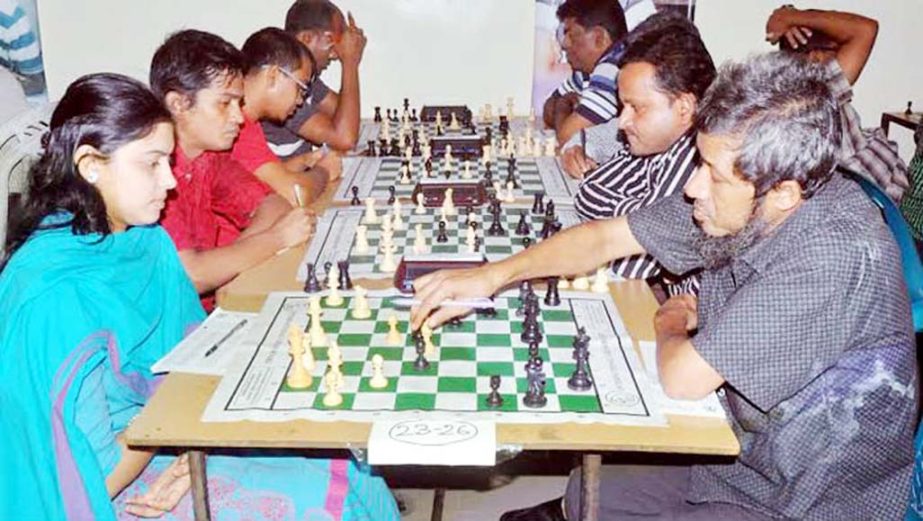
(388, 114)
(311, 284)
(391, 195)
(413, 115)
(549, 210)
(355, 200)
(522, 227)
(377, 118)
(533, 351)
(538, 204)
(552, 295)
(372, 152)
(496, 229)
(477, 245)
(406, 104)
(428, 166)
(327, 266)
(442, 237)
(526, 242)
(395, 148)
(345, 281)
(488, 135)
(909, 110)
(494, 400)
(511, 175)
(525, 289)
(421, 363)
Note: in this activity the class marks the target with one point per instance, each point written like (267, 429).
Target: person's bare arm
(855, 34)
(128, 468)
(684, 374)
(576, 250)
(283, 181)
(302, 162)
(567, 127)
(549, 109)
(211, 269)
(329, 104)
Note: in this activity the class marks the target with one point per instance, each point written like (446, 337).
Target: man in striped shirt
(663, 76)
(20, 51)
(591, 34)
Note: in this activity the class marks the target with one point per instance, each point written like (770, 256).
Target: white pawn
(421, 208)
(467, 172)
(332, 398)
(563, 283)
(370, 216)
(469, 239)
(438, 118)
(581, 282)
(387, 263)
(333, 297)
(454, 125)
(405, 175)
(394, 335)
(378, 380)
(419, 241)
(397, 221)
(427, 152)
(485, 154)
(387, 225)
(362, 240)
(537, 148)
(601, 281)
(335, 361)
(361, 310)
(510, 196)
(314, 306)
(551, 145)
(448, 202)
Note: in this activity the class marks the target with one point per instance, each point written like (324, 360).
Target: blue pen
(233, 330)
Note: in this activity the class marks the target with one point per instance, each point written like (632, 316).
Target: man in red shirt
(277, 74)
(222, 219)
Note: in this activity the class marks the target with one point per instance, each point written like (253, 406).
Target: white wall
(447, 51)
(431, 51)
(732, 29)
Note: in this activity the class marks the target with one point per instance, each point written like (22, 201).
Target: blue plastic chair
(915, 507)
(910, 258)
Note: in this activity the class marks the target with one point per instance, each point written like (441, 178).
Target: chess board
(457, 382)
(335, 236)
(374, 175)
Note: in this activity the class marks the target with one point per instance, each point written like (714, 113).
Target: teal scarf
(69, 304)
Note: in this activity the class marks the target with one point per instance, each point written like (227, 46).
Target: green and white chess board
(335, 236)
(457, 382)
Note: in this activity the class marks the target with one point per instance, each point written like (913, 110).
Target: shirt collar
(614, 53)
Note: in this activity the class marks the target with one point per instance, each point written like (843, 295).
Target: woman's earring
(92, 176)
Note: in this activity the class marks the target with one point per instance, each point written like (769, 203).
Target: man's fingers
(352, 21)
(444, 314)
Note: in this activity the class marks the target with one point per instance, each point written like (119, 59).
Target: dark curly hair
(190, 60)
(105, 111)
(607, 14)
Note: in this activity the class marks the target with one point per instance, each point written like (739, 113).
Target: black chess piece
(428, 166)
(580, 379)
(388, 114)
(327, 267)
(395, 148)
(442, 237)
(552, 294)
(522, 227)
(345, 281)
(533, 351)
(488, 135)
(421, 363)
(311, 284)
(909, 110)
(526, 242)
(494, 400)
(391, 194)
(415, 149)
(547, 227)
(549, 210)
(535, 396)
(355, 200)
(372, 152)
(413, 115)
(377, 118)
(406, 104)
(538, 204)
(530, 330)
(525, 288)
(496, 229)
(477, 244)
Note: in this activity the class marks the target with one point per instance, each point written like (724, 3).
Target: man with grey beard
(802, 324)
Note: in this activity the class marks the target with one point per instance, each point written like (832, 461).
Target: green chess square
(522, 354)
(382, 326)
(447, 354)
(387, 353)
(354, 339)
(348, 399)
(499, 249)
(492, 368)
(493, 340)
(365, 386)
(563, 370)
(466, 326)
(408, 369)
(415, 401)
(580, 403)
(320, 353)
(559, 341)
(331, 326)
(352, 368)
(444, 248)
(456, 384)
(510, 404)
(557, 315)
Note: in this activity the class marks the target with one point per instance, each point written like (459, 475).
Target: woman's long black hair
(105, 111)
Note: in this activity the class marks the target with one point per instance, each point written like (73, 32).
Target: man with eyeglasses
(326, 117)
(277, 71)
(591, 34)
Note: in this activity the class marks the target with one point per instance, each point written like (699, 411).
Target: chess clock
(413, 266)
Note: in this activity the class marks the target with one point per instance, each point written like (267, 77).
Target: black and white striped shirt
(627, 183)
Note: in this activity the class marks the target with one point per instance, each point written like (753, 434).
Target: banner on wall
(551, 67)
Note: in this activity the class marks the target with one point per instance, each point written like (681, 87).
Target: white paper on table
(709, 406)
(433, 442)
(189, 355)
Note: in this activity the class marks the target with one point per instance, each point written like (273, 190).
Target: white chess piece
(361, 310)
(421, 208)
(551, 145)
(387, 263)
(333, 297)
(581, 283)
(318, 336)
(405, 175)
(332, 398)
(454, 125)
(419, 241)
(536, 148)
(485, 153)
(395, 338)
(601, 281)
(467, 172)
(398, 222)
(427, 333)
(426, 152)
(448, 202)
(307, 359)
(362, 240)
(314, 306)
(378, 380)
(510, 195)
(335, 361)
(370, 216)
(438, 118)
(469, 239)
(387, 224)
(298, 377)
(563, 283)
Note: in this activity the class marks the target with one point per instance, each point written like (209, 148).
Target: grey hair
(783, 112)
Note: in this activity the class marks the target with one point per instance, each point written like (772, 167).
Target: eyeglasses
(303, 88)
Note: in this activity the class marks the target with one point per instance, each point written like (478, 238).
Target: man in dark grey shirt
(802, 324)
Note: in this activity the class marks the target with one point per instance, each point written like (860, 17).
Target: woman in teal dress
(91, 294)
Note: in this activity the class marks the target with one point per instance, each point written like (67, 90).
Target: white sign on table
(433, 442)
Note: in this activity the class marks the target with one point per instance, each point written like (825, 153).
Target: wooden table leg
(885, 123)
(589, 493)
(438, 504)
(199, 485)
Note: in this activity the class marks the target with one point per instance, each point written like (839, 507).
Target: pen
(233, 330)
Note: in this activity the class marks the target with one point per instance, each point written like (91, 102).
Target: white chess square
(450, 338)
(357, 326)
(464, 368)
(457, 401)
(417, 384)
(373, 401)
(294, 400)
(494, 354)
(353, 353)
(500, 327)
(507, 385)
